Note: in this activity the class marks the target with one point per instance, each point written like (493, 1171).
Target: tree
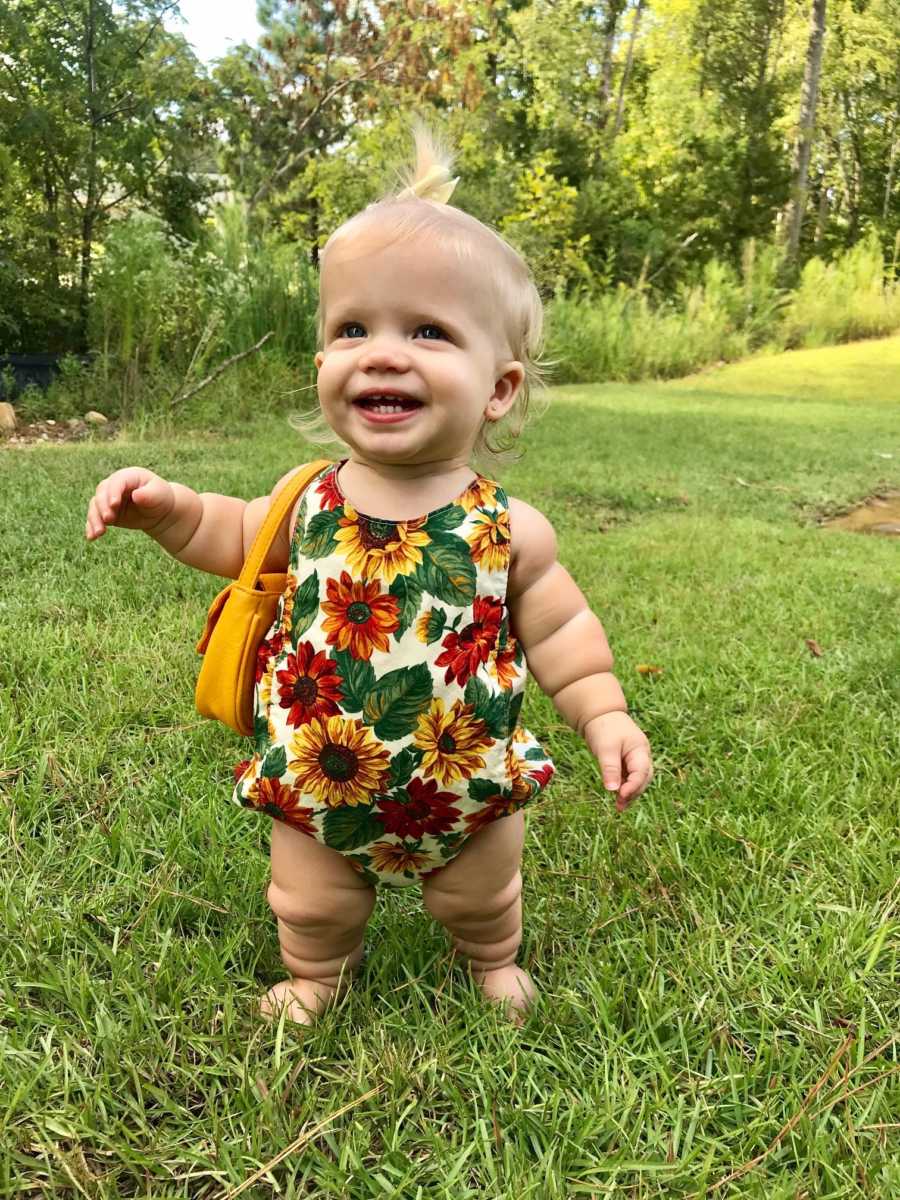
(806, 127)
(101, 107)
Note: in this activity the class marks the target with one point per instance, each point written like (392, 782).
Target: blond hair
(420, 206)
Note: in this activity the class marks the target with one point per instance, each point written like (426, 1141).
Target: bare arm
(204, 530)
(568, 654)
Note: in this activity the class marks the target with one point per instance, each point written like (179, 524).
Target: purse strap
(278, 510)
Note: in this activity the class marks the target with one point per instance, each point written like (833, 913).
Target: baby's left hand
(621, 748)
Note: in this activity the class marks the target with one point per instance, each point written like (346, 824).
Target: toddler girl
(387, 741)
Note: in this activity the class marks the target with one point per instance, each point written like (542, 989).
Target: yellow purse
(240, 617)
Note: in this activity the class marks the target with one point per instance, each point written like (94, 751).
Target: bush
(845, 299)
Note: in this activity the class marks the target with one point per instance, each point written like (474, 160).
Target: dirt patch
(878, 514)
(72, 430)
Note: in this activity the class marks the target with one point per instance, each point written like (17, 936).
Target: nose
(384, 352)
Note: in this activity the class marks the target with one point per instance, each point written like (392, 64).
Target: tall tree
(806, 128)
(100, 105)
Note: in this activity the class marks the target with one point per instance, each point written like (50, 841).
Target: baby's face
(414, 360)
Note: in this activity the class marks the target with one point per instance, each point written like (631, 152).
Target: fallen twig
(782, 1133)
(213, 375)
(298, 1144)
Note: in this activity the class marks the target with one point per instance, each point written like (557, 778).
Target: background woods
(711, 167)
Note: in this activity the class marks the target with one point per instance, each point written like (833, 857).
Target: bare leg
(478, 898)
(322, 906)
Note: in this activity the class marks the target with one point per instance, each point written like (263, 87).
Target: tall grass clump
(629, 334)
(852, 297)
(167, 312)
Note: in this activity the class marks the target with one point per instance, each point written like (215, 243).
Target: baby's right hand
(132, 498)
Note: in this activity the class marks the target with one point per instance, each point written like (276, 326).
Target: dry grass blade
(299, 1143)
(782, 1133)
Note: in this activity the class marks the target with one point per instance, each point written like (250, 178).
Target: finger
(611, 768)
(108, 498)
(94, 526)
(637, 782)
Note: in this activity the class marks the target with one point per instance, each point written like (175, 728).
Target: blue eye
(352, 329)
(432, 333)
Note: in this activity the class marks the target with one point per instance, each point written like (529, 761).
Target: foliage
(100, 107)
(622, 145)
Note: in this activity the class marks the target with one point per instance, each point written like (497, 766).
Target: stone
(95, 418)
(7, 417)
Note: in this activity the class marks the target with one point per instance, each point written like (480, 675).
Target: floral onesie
(389, 686)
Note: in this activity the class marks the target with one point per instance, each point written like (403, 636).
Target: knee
(451, 905)
(321, 911)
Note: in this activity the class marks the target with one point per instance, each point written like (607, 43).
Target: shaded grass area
(719, 966)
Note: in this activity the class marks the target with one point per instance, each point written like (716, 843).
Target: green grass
(702, 958)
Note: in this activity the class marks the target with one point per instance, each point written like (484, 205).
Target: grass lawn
(719, 966)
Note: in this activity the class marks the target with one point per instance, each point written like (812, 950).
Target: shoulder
(283, 482)
(257, 509)
(533, 546)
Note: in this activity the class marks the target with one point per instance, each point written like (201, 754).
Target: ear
(506, 387)
(318, 360)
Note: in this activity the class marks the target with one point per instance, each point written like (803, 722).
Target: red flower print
(309, 685)
(358, 616)
(427, 811)
(241, 769)
(268, 649)
(329, 491)
(541, 776)
(464, 652)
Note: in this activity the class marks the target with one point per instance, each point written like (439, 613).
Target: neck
(400, 473)
(403, 491)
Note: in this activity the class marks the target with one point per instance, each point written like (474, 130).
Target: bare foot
(510, 987)
(304, 1000)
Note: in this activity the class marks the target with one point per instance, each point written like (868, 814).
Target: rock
(74, 422)
(95, 418)
(7, 417)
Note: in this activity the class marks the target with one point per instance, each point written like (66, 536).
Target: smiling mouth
(387, 403)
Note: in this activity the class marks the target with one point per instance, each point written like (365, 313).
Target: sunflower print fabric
(389, 686)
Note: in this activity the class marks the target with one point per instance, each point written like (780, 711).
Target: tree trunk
(51, 207)
(822, 213)
(610, 25)
(889, 182)
(626, 70)
(90, 211)
(809, 96)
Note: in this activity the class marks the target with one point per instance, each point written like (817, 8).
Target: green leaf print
(515, 707)
(535, 754)
(358, 676)
(493, 710)
(393, 705)
(306, 605)
(483, 790)
(403, 765)
(298, 526)
(319, 538)
(350, 827)
(447, 570)
(445, 519)
(274, 765)
(437, 623)
(407, 590)
(260, 732)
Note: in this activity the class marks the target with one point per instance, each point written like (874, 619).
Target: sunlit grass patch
(703, 959)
